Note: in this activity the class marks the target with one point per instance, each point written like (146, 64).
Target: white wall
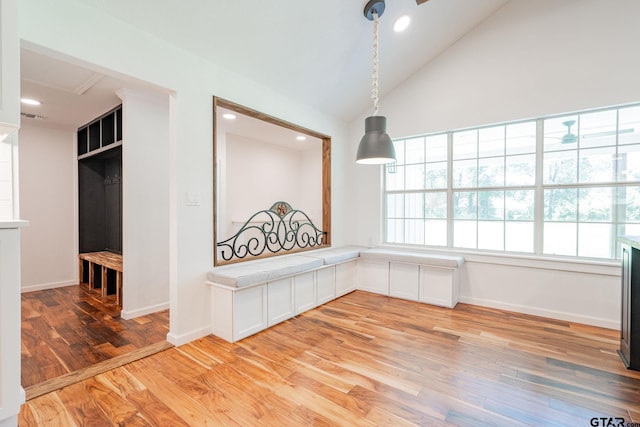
(531, 58)
(578, 292)
(258, 174)
(261, 171)
(48, 199)
(145, 202)
(110, 46)
(309, 180)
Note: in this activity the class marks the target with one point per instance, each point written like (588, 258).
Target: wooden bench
(107, 261)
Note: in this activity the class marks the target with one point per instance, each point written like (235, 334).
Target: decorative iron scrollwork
(277, 229)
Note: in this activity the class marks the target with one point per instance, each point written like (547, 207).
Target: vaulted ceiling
(317, 53)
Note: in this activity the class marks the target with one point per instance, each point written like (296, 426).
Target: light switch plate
(193, 198)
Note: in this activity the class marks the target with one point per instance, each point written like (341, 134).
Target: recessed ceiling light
(301, 137)
(30, 101)
(229, 116)
(401, 23)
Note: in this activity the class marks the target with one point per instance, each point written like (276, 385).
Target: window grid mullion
(538, 204)
(477, 183)
(504, 192)
(450, 189)
(579, 157)
(614, 197)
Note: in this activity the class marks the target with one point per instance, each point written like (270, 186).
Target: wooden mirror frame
(326, 168)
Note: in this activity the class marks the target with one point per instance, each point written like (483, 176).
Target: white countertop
(13, 223)
(634, 241)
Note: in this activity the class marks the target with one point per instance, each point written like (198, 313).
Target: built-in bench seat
(333, 256)
(394, 255)
(417, 276)
(251, 296)
(266, 270)
(263, 270)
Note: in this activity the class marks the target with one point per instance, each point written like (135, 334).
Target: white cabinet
(236, 314)
(280, 300)
(404, 276)
(326, 284)
(11, 394)
(249, 311)
(222, 300)
(439, 286)
(346, 275)
(404, 281)
(373, 276)
(240, 312)
(304, 292)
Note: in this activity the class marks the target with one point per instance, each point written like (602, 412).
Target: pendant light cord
(374, 87)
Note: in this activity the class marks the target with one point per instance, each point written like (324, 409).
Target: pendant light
(375, 146)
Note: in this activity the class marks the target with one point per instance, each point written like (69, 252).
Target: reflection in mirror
(271, 185)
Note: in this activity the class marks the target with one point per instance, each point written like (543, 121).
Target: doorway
(71, 95)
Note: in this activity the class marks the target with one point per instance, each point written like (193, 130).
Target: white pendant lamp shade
(375, 147)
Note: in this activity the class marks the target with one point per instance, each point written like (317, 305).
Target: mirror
(272, 185)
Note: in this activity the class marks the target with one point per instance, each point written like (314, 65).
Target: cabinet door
(346, 276)
(625, 325)
(280, 300)
(304, 292)
(373, 276)
(222, 312)
(633, 309)
(438, 286)
(325, 284)
(404, 281)
(249, 311)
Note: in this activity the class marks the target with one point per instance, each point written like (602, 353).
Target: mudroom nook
(100, 204)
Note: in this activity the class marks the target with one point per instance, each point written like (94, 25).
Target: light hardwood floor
(366, 359)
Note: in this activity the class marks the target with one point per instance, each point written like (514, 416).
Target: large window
(564, 185)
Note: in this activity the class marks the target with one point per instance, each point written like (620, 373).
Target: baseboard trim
(182, 339)
(132, 314)
(553, 314)
(44, 286)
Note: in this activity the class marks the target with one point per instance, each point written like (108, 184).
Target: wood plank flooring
(366, 359)
(68, 329)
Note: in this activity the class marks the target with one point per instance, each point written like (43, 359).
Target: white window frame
(539, 188)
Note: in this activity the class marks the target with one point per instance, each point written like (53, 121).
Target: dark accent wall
(113, 202)
(100, 202)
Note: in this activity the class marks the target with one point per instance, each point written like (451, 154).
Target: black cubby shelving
(100, 134)
(100, 183)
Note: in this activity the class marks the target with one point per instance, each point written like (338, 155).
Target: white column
(11, 393)
(145, 202)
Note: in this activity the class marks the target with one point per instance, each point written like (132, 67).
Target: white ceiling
(71, 96)
(319, 54)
